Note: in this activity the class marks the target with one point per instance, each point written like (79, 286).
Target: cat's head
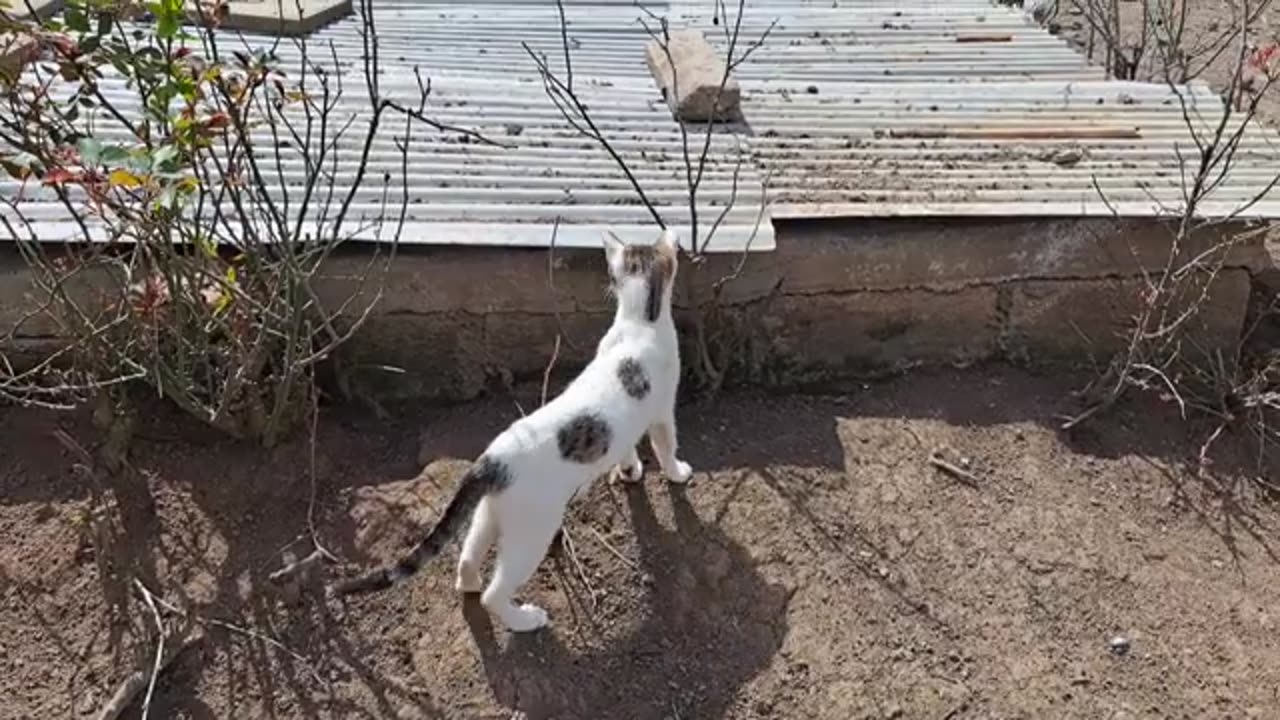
(641, 276)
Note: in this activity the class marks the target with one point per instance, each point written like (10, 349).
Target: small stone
(1119, 645)
(812, 89)
(1065, 157)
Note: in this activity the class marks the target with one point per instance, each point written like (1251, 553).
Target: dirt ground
(817, 567)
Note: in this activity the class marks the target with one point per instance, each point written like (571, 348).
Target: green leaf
(90, 151)
(139, 161)
(208, 247)
(164, 157)
(76, 19)
(20, 166)
(166, 199)
(113, 154)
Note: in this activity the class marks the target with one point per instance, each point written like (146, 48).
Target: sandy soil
(818, 567)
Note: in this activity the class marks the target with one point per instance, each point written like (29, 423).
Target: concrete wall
(837, 299)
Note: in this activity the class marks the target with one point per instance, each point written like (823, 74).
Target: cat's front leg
(630, 469)
(662, 436)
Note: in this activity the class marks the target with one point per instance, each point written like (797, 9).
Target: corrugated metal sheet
(471, 193)
(1090, 148)
(853, 108)
(1008, 122)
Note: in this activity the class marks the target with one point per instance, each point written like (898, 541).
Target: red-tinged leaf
(1262, 57)
(58, 176)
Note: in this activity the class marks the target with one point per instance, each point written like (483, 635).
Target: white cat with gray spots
(516, 493)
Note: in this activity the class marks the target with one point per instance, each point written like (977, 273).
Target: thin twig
(317, 555)
(955, 471)
(546, 374)
(607, 546)
(241, 630)
(161, 636)
(134, 683)
(582, 573)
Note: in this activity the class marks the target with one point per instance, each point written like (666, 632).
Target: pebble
(1119, 645)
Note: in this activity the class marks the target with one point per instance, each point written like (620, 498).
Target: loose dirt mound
(818, 567)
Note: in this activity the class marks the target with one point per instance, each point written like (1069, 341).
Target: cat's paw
(682, 474)
(468, 580)
(468, 583)
(526, 618)
(630, 473)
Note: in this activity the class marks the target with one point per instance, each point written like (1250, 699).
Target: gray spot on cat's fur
(493, 475)
(584, 439)
(633, 377)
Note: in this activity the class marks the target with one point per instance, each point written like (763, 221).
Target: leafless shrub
(716, 338)
(1163, 352)
(1154, 38)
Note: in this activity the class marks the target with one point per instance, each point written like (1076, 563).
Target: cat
(517, 491)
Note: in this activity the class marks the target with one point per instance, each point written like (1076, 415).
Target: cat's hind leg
(480, 537)
(521, 548)
(662, 436)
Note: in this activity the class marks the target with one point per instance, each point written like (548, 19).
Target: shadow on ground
(705, 596)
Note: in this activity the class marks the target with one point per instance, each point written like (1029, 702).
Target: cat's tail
(486, 476)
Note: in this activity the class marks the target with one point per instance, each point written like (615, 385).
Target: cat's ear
(613, 246)
(668, 244)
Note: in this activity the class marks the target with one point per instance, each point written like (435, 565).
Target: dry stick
(572, 551)
(564, 531)
(984, 38)
(311, 471)
(959, 473)
(546, 374)
(320, 553)
(298, 566)
(137, 680)
(161, 635)
(232, 627)
(1016, 133)
(614, 550)
(166, 653)
(551, 284)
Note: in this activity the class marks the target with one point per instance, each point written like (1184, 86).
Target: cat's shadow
(713, 623)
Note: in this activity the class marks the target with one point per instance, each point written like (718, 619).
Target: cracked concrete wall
(837, 299)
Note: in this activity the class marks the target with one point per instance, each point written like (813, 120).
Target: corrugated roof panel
(1090, 148)
(466, 192)
(852, 108)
